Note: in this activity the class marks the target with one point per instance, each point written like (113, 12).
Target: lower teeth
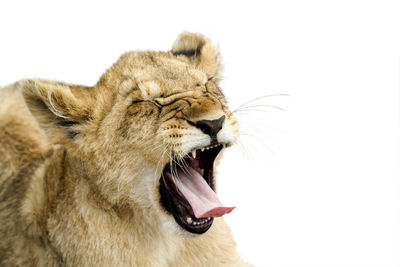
(202, 221)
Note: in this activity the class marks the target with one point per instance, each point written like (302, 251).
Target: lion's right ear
(58, 111)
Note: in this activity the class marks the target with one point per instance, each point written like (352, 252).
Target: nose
(210, 127)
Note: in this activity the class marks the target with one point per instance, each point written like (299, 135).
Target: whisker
(257, 140)
(161, 160)
(256, 137)
(258, 98)
(174, 171)
(259, 126)
(158, 164)
(257, 106)
(251, 110)
(242, 148)
(155, 147)
(185, 166)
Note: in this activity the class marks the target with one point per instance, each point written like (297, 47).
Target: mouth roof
(187, 190)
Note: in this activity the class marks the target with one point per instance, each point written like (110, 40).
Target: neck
(83, 217)
(88, 190)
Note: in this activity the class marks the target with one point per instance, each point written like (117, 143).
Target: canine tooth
(189, 220)
(194, 153)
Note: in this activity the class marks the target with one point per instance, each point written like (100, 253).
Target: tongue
(201, 197)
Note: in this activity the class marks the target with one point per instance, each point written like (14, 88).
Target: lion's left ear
(199, 51)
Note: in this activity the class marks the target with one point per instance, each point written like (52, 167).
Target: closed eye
(158, 102)
(155, 102)
(163, 101)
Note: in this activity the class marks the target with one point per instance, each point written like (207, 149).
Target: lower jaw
(195, 229)
(181, 212)
(191, 224)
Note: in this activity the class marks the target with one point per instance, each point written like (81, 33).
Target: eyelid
(155, 102)
(169, 99)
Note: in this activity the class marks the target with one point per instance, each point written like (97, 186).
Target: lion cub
(120, 173)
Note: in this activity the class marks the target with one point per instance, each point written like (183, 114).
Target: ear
(198, 50)
(58, 111)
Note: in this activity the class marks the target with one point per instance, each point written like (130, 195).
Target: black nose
(210, 127)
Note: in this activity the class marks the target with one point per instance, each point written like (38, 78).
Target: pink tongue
(199, 194)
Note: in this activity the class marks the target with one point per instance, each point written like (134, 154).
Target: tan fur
(80, 166)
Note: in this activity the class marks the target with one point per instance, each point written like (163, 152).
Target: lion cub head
(148, 133)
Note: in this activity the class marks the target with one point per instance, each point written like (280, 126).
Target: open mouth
(187, 190)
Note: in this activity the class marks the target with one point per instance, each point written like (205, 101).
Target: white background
(315, 185)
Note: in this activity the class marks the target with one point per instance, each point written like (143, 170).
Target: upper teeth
(205, 148)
